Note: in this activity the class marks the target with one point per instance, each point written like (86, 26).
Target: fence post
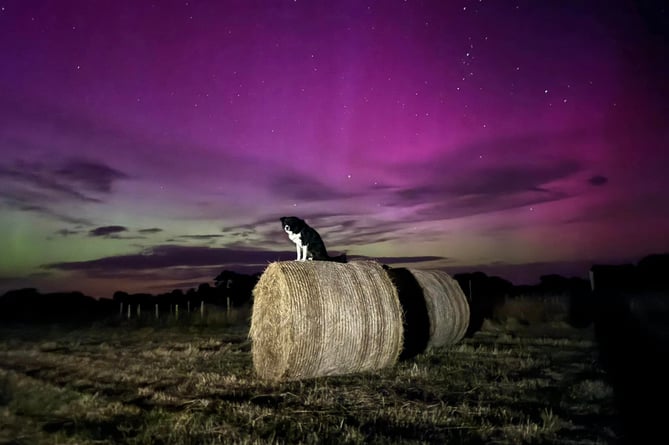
(129, 306)
(188, 306)
(176, 311)
(202, 309)
(139, 310)
(156, 311)
(121, 310)
(227, 311)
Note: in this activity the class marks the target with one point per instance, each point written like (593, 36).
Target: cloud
(399, 260)
(90, 175)
(351, 231)
(484, 178)
(503, 180)
(67, 232)
(107, 231)
(163, 262)
(150, 231)
(167, 256)
(40, 188)
(27, 201)
(598, 180)
(482, 204)
(335, 228)
(156, 277)
(484, 183)
(42, 181)
(199, 237)
(28, 119)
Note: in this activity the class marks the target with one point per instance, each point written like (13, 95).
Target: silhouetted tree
(236, 286)
(28, 305)
(653, 271)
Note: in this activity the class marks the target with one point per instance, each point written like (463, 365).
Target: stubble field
(194, 384)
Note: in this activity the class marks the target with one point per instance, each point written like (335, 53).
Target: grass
(194, 384)
(534, 308)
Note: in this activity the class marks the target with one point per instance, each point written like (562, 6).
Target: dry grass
(196, 385)
(532, 309)
(316, 318)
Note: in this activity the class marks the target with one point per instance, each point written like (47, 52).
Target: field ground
(185, 384)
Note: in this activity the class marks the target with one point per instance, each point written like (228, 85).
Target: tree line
(29, 305)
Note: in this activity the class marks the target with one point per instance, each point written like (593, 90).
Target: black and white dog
(309, 243)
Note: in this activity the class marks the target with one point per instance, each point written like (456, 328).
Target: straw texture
(447, 307)
(317, 318)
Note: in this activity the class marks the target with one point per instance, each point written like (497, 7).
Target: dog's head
(292, 224)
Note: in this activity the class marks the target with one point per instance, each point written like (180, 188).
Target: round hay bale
(447, 307)
(318, 318)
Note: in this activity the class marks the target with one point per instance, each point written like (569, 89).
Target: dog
(308, 242)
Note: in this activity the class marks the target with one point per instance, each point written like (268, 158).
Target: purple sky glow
(148, 145)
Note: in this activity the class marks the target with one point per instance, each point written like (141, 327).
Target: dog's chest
(295, 237)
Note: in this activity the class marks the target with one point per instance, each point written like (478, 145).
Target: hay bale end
(447, 307)
(316, 318)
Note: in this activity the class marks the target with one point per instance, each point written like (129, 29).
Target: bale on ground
(447, 307)
(416, 318)
(318, 318)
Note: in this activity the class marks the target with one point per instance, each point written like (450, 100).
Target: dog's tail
(339, 258)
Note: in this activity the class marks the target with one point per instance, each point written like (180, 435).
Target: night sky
(148, 145)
